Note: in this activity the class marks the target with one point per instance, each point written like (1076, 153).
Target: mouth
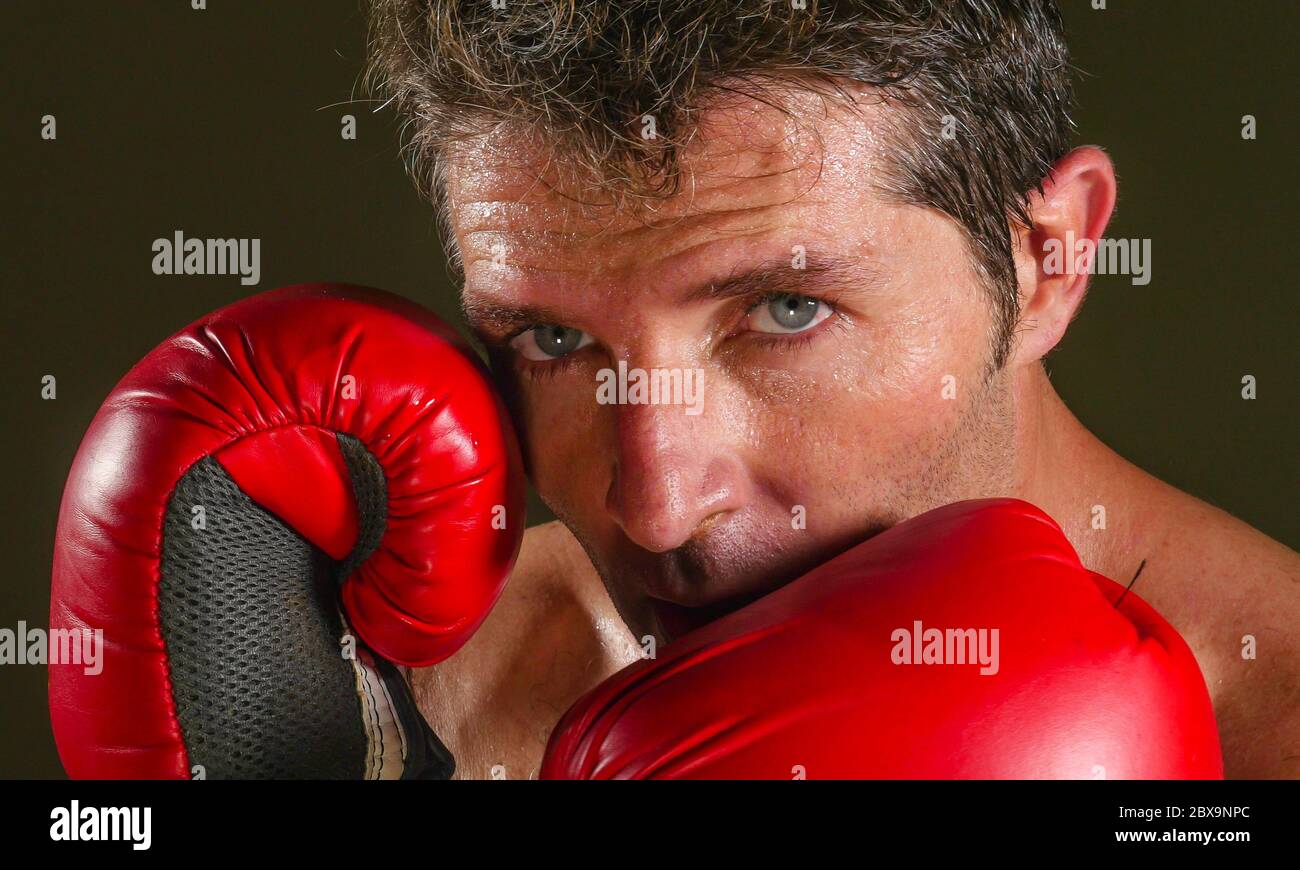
(676, 620)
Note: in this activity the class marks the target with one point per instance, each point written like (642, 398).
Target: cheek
(861, 435)
(934, 350)
(559, 427)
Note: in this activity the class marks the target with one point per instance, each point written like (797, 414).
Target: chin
(675, 609)
(673, 620)
(672, 593)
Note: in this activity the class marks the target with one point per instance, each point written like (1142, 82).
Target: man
(845, 222)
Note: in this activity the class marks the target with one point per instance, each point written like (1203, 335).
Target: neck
(1080, 482)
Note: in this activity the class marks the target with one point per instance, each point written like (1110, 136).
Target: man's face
(842, 392)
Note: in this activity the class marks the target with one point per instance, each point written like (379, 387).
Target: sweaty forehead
(746, 165)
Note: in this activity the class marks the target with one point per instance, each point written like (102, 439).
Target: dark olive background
(226, 123)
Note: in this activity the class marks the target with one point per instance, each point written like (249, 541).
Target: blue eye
(787, 313)
(549, 341)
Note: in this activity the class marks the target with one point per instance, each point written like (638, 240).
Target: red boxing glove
(966, 643)
(308, 446)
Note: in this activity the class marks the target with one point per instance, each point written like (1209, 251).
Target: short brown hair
(992, 74)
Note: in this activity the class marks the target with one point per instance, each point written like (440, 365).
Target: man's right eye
(548, 342)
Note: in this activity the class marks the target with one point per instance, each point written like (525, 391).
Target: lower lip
(676, 620)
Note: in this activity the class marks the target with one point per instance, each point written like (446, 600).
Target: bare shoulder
(1234, 594)
(552, 635)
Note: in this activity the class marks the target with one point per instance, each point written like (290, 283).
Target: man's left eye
(787, 313)
(549, 341)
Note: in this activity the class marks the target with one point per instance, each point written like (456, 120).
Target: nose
(672, 475)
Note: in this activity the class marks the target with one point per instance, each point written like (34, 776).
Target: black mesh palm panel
(251, 625)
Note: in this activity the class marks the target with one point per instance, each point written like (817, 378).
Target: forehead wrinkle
(668, 240)
(690, 233)
(503, 216)
(698, 206)
(623, 252)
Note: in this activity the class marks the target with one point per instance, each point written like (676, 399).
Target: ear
(1054, 257)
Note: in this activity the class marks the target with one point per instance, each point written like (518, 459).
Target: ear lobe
(1054, 257)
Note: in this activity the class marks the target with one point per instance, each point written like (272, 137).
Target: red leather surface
(281, 362)
(803, 679)
(298, 474)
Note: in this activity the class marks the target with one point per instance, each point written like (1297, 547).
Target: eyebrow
(492, 321)
(821, 274)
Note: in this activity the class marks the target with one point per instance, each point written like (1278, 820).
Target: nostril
(709, 522)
